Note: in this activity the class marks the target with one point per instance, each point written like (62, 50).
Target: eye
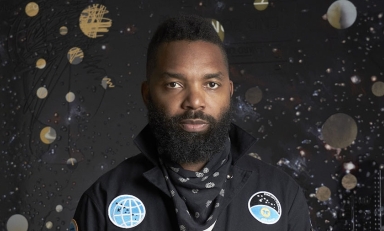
(213, 85)
(173, 85)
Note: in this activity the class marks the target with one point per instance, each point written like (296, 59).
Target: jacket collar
(146, 142)
(241, 141)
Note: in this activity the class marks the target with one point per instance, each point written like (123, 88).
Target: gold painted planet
(48, 135)
(75, 55)
(260, 4)
(323, 193)
(41, 63)
(218, 28)
(32, 9)
(92, 21)
(349, 181)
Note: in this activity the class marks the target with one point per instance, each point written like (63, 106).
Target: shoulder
(129, 172)
(251, 163)
(267, 175)
(132, 166)
(268, 178)
(137, 162)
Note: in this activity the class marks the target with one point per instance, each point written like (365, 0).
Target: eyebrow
(217, 75)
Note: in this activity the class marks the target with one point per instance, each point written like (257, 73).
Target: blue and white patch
(265, 207)
(126, 211)
(73, 225)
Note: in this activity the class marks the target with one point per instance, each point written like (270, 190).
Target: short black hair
(184, 27)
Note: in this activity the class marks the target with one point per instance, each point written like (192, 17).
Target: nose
(194, 99)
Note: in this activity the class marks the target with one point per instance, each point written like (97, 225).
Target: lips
(194, 125)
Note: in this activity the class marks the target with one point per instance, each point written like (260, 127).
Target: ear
(145, 92)
(231, 87)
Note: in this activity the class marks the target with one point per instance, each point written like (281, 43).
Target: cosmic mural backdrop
(309, 84)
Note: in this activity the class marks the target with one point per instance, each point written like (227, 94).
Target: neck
(195, 167)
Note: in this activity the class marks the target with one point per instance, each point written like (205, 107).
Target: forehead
(190, 56)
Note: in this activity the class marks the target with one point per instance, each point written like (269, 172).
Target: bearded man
(193, 172)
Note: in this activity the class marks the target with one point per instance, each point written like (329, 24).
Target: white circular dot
(41, 63)
(341, 14)
(70, 97)
(59, 208)
(17, 222)
(355, 79)
(49, 225)
(42, 92)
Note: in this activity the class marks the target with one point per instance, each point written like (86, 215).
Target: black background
(284, 50)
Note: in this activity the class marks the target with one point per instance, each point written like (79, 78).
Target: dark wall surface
(308, 78)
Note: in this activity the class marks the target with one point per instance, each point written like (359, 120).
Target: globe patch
(126, 211)
(265, 207)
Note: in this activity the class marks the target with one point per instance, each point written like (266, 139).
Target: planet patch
(126, 211)
(265, 207)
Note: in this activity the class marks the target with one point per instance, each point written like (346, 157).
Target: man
(194, 172)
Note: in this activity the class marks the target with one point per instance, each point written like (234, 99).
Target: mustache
(193, 115)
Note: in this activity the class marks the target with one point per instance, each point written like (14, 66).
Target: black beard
(179, 146)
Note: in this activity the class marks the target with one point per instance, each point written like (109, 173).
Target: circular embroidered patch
(73, 225)
(126, 211)
(265, 207)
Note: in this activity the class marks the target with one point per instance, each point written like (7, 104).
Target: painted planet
(339, 130)
(63, 30)
(378, 89)
(92, 21)
(253, 95)
(260, 4)
(323, 193)
(349, 181)
(17, 222)
(75, 55)
(42, 92)
(341, 14)
(218, 28)
(32, 9)
(41, 63)
(70, 97)
(48, 135)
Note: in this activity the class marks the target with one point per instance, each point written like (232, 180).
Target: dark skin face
(189, 75)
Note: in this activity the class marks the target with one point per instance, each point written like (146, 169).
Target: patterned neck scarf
(197, 196)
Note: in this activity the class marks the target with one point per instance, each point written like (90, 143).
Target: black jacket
(277, 203)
